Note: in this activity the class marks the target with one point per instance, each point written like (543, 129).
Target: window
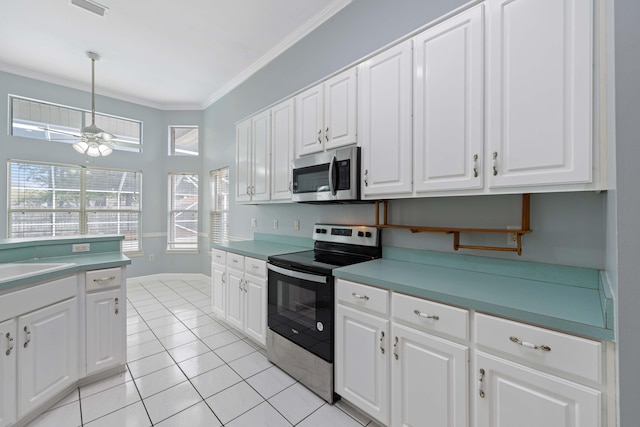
(219, 182)
(42, 120)
(64, 200)
(183, 212)
(183, 140)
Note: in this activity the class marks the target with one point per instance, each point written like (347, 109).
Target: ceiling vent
(91, 6)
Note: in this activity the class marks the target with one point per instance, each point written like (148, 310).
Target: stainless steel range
(301, 302)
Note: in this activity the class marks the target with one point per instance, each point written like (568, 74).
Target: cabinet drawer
(430, 316)
(555, 350)
(235, 261)
(98, 280)
(218, 256)
(365, 296)
(255, 267)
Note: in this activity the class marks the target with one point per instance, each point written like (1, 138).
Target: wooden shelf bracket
(525, 228)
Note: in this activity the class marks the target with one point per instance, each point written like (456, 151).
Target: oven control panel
(350, 234)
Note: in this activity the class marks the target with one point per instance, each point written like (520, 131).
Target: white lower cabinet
(510, 394)
(8, 385)
(362, 361)
(429, 380)
(239, 294)
(48, 353)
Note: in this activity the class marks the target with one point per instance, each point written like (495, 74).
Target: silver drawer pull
(529, 344)
(364, 297)
(104, 279)
(9, 343)
(425, 315)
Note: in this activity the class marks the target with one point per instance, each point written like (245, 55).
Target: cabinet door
(362, 365)
(448, 104)
(384, 122)
(540, 92)
(218, 289)
(48, 362)
(8, 385)
(282, 145)
(261, 146)
(256, 308)
(235, 298)
(244, 162)
(340, 109)
(106, 330)
(309, 121)
(515, 395)
(429, 380)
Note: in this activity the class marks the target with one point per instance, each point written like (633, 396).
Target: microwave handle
(333, 176)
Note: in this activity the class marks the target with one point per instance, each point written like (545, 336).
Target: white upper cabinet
(282, 143)
(448, 104)
(326, 114)
(384, 122)
(253, 145)
(539, 92)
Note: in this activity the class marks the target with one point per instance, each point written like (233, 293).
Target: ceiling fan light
(81, 147)
(94, 150)
(104, 149)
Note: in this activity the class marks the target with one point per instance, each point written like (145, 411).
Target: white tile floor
(186, 369)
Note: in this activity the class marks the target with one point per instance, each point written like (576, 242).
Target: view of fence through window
(64, 200)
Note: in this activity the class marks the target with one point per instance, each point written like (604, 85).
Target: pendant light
(94, 142)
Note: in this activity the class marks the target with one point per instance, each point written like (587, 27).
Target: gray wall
(627, 198)
(568, 228)
(153, 162)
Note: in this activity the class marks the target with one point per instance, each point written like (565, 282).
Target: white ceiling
(168, 54)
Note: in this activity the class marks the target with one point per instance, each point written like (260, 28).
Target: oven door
(301, 309)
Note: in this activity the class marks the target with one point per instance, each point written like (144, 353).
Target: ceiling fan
(94, 142)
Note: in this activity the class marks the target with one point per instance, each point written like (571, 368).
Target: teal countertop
(570, 299)
(104, 252)
(265, 245)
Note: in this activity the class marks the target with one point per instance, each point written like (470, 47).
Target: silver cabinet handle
(104, 279)
(395, 348)
(235, 261)
(223, 277)
(381, 343)
(495, 163)
(481, 383)
(320, 136)
(27, 336)
(364, 297)
(425, 315)
(326, 134)
(9, 343)
(117, 303)
(475, 165)
(529, 344)
(366, 177)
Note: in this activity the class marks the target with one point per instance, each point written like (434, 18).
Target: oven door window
(300, 310)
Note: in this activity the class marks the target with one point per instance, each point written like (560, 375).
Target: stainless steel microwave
(329, 176)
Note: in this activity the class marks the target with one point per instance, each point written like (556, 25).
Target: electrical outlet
(254, 222)
(296, 225)
(152, 257)
(275, 223)
(81, 247)
(512, 238)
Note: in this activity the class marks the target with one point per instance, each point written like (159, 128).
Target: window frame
(172, 244)
(84, 212)
(172, 140)
(121, 143)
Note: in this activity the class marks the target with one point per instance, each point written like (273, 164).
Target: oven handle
(297, 274)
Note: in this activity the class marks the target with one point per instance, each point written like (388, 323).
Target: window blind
(183, 211)
(61, 200)
(219, 218)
